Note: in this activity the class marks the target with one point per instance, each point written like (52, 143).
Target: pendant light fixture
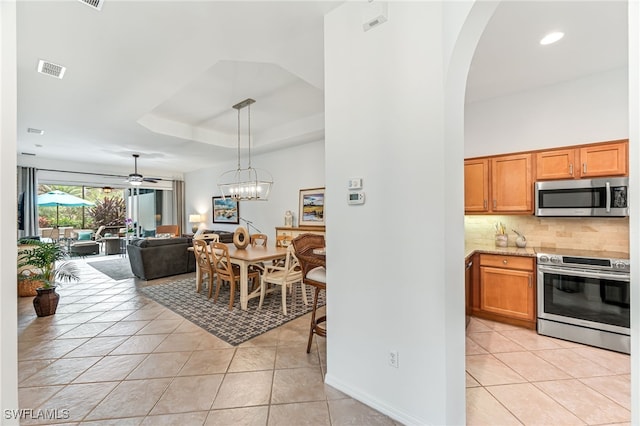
(245, 184)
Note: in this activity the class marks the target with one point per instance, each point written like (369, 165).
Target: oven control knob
(555, 259)
(620, 265)
(544, 258)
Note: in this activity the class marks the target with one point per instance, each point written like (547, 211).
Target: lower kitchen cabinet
(506, 289)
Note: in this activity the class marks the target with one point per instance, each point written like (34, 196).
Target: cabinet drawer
(510, 262)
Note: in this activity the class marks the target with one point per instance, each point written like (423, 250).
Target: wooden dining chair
(227, 271)
(204, 260)
(285, 276)
(209, 237)
(283, 240)
(258, 240)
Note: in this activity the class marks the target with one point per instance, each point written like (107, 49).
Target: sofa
(160, 257)
(225, 236)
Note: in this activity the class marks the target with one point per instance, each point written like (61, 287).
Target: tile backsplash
(607, 234)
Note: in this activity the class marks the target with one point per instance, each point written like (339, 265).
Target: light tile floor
(110, 356)
(517, 377)
(113, 357)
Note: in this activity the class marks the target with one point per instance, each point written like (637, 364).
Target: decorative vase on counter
(521, 241)
(288, 219)
(502, 240)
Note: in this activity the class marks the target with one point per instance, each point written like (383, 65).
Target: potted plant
(46, 263)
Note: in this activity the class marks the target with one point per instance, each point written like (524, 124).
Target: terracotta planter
(46, 301)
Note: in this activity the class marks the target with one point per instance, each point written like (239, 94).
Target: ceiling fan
(136, 178)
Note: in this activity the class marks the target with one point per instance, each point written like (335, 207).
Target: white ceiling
(159, 77)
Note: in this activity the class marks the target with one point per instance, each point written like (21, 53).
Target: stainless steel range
(583, 296)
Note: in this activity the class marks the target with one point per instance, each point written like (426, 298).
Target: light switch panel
(355, 183)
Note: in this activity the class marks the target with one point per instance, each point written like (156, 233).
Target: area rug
(117, 269)
(235, 326)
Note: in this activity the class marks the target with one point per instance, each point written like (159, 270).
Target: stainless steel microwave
(601, 197)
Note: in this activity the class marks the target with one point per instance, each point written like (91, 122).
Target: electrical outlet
(393, 359)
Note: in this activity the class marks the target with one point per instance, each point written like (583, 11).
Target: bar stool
(314, 273)
(317, 277)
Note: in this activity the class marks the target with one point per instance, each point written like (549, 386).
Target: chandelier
(245, 184)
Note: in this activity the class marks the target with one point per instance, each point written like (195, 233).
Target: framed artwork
(311, 207)
(225, 210)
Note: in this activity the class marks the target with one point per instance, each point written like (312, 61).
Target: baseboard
(372, 402)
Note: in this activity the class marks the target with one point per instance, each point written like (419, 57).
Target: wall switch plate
(354, 183)
(393, 359)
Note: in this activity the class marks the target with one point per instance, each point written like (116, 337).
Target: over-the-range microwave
(601, 197)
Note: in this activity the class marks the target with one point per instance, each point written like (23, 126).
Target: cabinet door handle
(495, 203)
(571, 169)
(504, 261)
(584, 167)
(485, 204)
(530, 284)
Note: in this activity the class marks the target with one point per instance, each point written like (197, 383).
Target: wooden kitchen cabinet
(556, 164)
(476, 185)
(601, 159)
(506, 289)
(512, 184)
(502, 184)
(604, 160)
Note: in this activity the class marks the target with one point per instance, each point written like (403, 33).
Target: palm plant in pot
(47, 262)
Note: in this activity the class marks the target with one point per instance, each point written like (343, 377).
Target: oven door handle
(585, 273)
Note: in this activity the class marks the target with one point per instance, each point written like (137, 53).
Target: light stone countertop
(490, 248)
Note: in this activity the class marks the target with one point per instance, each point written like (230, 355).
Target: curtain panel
(27, 202)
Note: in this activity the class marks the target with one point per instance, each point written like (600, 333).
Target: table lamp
(195, 219)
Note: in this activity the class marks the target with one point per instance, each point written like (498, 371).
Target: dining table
(244, 258)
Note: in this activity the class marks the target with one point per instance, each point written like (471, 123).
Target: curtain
(27, 201)
(178, 203)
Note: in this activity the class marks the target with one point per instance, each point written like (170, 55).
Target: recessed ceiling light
(551, 38)
(36, 131)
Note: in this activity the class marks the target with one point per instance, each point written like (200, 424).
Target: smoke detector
(94, 4)
(51, 69)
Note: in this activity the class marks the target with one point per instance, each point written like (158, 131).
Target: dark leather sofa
(161, 257)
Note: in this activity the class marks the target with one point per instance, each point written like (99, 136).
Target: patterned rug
(235, 326)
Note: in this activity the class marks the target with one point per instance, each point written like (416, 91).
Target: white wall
(634, 187)
(591, 109)
(8, 216)
(292, 169)
(386, 276)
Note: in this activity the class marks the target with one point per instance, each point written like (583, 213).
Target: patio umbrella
(60, 198)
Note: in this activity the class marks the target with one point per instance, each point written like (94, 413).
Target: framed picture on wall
(225, 210)
(311, 211)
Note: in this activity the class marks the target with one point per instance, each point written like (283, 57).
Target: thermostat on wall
(356, 197)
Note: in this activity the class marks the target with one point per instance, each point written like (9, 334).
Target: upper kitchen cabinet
(512, 184)
(501, 184)
(604, 160)
(556, 164)
(476, 185)
(601, 159)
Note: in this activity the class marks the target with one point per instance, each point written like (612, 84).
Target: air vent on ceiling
(36, 131)
(28, 153)
(49, 68)
(95, 4)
